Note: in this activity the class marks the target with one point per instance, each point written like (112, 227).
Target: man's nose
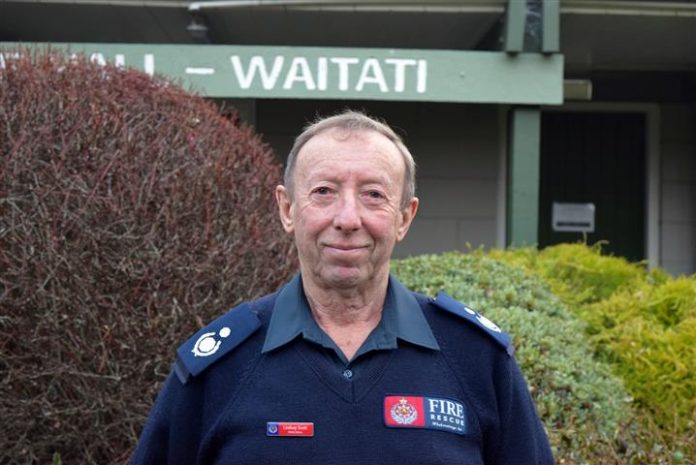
(347, 216)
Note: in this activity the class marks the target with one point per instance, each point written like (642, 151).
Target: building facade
(532, 122)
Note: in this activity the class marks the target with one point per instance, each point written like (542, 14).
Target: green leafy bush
(642, 322)
(649, 334)
(577, 273)
(584, 407)
(130, 213)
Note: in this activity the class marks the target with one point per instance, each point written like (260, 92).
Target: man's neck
(347, 316)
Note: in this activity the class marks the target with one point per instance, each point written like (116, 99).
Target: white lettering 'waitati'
(422, 79)
(10, 56)
(372, 74)
(98, 58)
(120, 60)
(257, 65)
(343, 71)
(149, 64)
(299, 72)
(400, 65)
(343, 74)
(322, 73)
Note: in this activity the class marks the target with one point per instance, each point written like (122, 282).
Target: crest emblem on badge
(483, 320)
(487, 323)
(207, 345)
(403, 412)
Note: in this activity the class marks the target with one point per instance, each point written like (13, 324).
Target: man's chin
(345, 280)
(345, 277)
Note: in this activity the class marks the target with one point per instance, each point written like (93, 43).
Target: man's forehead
(338, 135)
(319, 172)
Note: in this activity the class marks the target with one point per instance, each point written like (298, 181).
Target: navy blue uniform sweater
(220, 413)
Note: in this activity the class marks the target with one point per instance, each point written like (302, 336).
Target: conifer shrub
(578, 273)
(642, 322)
(130, 213)
(649, 335)
(585, 409)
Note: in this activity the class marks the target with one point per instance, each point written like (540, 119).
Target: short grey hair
(353, 120)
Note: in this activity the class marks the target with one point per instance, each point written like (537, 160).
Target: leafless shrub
(130, 213)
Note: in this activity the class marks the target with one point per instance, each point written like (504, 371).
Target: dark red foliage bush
(130, 213)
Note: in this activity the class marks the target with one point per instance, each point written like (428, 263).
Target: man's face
(346, 213)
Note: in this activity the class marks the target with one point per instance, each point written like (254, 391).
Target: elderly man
(344, 365)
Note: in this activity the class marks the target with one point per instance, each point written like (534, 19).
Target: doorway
(594, 164)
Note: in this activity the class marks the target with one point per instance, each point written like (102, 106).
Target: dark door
(596, 158)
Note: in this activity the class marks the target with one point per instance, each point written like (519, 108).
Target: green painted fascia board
(231, 71)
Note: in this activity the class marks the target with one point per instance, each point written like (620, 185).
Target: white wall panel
(458, 198)
(428, 236)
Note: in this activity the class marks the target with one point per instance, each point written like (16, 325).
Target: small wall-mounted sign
(573, 217)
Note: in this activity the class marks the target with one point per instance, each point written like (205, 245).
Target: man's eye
(322, 190)
(375, 195)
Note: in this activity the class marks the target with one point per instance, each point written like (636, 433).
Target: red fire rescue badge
(437, 413)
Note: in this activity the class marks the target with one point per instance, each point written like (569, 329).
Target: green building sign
(336, 73)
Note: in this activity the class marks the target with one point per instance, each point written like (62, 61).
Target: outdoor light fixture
(198, 29)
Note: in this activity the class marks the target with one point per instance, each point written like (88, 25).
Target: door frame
(652, 160)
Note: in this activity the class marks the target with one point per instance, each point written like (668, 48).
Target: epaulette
(445, 302)
(214, 341)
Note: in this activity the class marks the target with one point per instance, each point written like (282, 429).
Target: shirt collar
(402, 318)
(411, 325)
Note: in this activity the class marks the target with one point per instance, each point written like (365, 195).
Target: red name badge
(292, 429)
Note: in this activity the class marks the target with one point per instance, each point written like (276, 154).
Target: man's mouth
(345, 247)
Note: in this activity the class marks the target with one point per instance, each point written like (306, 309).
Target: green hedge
(584, 407)
(580, 274)
(642, 322)
(650, 336)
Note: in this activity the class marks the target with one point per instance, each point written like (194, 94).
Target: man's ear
(284, 208)
(407, 216)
